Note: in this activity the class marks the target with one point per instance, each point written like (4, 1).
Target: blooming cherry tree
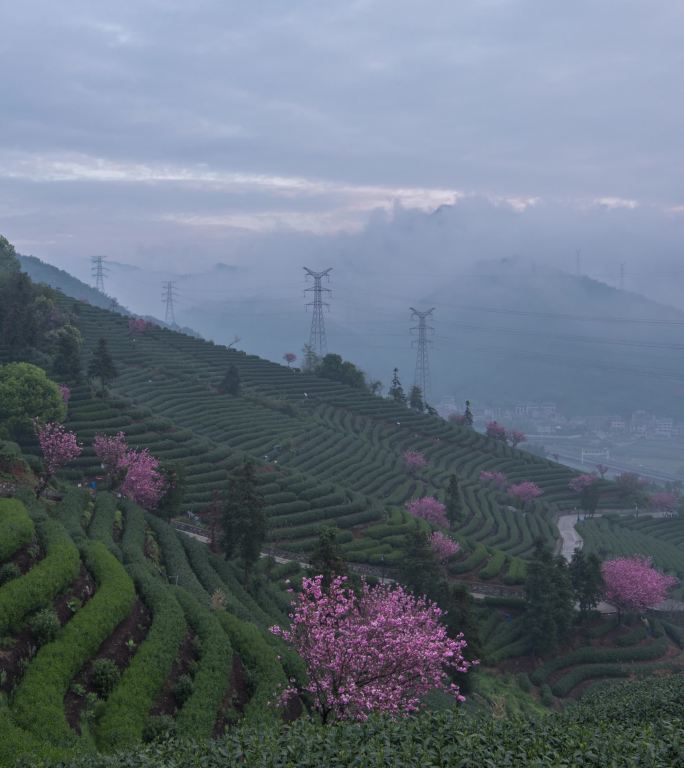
(496, 431)
(137, 474)
(579, 483)
(443, 546)
(65, 392)
(497, 479)
(601, 469)
(428, 508)
(289, 358)
(633, 584)
(664, 501)
(59, 447)
(515, 437)
(414, 461)
(525, 492)
(382, 650)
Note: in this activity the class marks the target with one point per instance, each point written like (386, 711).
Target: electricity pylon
(422, 377)
(99, 269)
(317, 340)
(169, 294)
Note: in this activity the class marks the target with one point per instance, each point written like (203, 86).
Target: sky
(173, 135)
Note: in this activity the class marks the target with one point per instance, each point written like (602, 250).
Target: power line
(422, 376)
(99, 270)
(317, 339)
(169, 295)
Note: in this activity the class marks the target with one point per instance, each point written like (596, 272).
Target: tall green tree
(327, 559)
(66, 366)
(102, 366)
(26, 394)
(549, 598)
(587, 581)
(468, 419)
(416, 399)
(454, 501)
(231, 384)
(170, 503)
(419, 569)
(335, 368)
(396, 391)
(244, 518)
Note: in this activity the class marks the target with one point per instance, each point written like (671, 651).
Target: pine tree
(416, 399)
(244, 518)
(419, 569)
(587, 580)
(468, 419)
(230, 384)
(102, 366)
(454, 501)
(327, 559)
(548, 593)
(396, 391)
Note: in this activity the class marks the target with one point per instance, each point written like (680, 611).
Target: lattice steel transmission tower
(422, 377)
(99, 269)
(317, 341)
(169, 295)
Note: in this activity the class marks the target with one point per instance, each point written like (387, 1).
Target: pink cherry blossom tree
(515, 437)
(380, 651)
(601, 469)
(633, 584)
(414, 461)
(524, 493)
(443, 546)
(139, 325)
(136, 474)
(65, 392)
(497, 479)
(496, 431)
(59, 447)
(428, 508)
(289, 358)
(579, 483)
(663, 501)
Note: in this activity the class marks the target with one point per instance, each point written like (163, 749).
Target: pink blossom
(443, 546)
(498, 479)
(632, 584)
(515, 437)
(413, 461)
(136, 473)
(139, 325)
(289, 358)
(496, 431)
(601, 469)
(380, 651)
(58, 445)
(428, 508)
(663, 500)
(579, 483)
(524, 492)
(458, 418)
(65, 392)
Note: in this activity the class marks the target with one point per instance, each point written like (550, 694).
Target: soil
(235, 699)
(183, 665)
(134, 627)
(25, 646)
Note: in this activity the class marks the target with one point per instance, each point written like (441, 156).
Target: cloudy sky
(176, 134)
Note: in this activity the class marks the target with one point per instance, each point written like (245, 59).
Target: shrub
(182, 690)
(159, 728)
(8, 572)
(104, 675)
(44, 625)
(16, 527)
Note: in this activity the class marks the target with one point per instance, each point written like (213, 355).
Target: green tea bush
(44, 581)
(16, 527)
(125, 713)
(9, 571)
(38, 702)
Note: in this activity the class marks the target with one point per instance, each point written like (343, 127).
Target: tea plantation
(329, 454)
